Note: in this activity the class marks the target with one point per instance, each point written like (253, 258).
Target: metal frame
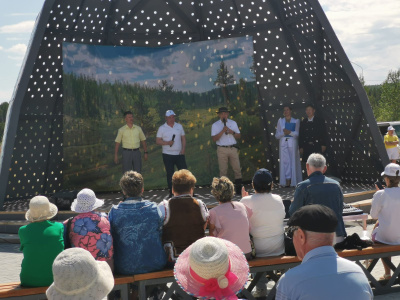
(198, 21)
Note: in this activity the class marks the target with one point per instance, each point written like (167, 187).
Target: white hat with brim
(40, 209)
(212, 258)
(391, 170)
(390, 128)
(77, 275)
(86, 201)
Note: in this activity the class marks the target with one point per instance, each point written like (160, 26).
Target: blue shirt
(136, 228)
(319, 189)
(324, 275)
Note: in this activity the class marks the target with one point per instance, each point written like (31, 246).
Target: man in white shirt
(171, 137)
(224, 133)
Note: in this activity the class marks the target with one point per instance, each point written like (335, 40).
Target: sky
(188, 67)
(368, 30)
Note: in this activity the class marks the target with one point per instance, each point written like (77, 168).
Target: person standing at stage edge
(130, 135)
(224, 133)
(312, 136)
(287, 132)
(171, 137)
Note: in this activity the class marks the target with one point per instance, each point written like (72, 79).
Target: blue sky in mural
(188, 67)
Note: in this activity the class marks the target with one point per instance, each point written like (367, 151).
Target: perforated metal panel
(298, 59)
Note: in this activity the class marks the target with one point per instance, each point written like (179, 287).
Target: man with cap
(130, 135)
(322, 273)
(319, 189)
(171, 137)
(224, 133)
(266, 222)
(312, 134)
(391, 141)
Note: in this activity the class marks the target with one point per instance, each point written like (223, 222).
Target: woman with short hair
(230, 219)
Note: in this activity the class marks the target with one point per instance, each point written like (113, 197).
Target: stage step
(10, 222)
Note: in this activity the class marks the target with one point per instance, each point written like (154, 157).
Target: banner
(101, 82)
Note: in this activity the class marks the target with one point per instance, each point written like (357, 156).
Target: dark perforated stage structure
(298, 59)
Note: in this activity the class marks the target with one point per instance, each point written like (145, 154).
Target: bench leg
(124, 291)
(142, 290)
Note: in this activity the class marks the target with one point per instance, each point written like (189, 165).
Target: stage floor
(351, 190)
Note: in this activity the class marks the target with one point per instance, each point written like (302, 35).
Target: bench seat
(260, 266)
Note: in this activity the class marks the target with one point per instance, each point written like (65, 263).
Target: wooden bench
(273, 266)
(276, 265)
(15, 291)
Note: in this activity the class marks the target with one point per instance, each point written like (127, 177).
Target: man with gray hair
(319, 189)
(322, 273)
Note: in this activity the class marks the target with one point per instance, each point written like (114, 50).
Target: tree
(223, 80)
(388, 106)
(3, 115)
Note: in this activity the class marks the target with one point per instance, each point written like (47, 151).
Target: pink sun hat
(212, 268)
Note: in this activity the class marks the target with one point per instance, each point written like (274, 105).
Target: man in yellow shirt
(391, 141)
(130, 135)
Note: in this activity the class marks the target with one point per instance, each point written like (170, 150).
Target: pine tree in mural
(223, 80)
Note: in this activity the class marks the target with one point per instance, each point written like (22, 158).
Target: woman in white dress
(287, 131)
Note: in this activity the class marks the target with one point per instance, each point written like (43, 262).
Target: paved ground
(11, 257)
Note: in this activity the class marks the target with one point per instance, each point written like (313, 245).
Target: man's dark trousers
(170, 161)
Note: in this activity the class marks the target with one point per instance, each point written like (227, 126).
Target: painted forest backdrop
(217, 73)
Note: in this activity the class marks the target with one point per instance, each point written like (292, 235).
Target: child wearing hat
(89, 230)
(41, 242)
(386, 208)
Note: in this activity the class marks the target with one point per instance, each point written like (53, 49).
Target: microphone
(224, 121)
(173, 138)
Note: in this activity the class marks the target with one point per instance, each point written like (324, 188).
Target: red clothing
(91, 231)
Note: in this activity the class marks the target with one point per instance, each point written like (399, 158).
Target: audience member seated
(386, 208)
(322, 273)
(319, 189)
(266, 223)
(77, 275)
(136, 226)
(230, 220)
(89, 230)
(185, 217)
(212, 268)
(41, 242)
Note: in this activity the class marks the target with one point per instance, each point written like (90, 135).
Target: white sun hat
(77, 275)
(86, 201)
(40, 209)
(212, 268)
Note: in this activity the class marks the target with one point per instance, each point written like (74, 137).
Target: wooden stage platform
(353, 192)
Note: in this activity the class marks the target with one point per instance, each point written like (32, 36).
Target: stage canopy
(297, 59)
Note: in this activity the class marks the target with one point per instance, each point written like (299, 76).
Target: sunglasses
(291, 230)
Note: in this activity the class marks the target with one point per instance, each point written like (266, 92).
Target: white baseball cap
(391, 170)
(169, 113)
(390, 128)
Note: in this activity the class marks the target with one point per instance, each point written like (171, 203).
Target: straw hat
(212, 268)
(77, 275)
(86, 201)
(40, 209)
